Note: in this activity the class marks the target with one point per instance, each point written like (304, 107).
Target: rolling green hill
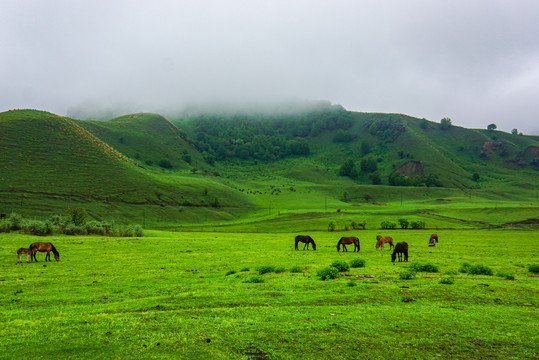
(50, 163)
(218, 169)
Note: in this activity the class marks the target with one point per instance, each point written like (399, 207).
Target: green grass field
(194, 295)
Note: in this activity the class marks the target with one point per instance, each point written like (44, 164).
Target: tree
(368, 165)
(346, 167)
(492, 127)
(514, 132)
(475, 177)
(445, 123)
(365, 148)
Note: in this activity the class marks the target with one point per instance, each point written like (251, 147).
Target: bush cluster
(75, 223)
(388, 225)
(428, 267)
(270, 269)
(340, 265)
(329, 272)
(533, 268)
(357, 263)
(477, 269)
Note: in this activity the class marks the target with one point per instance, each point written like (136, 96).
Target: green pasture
(198, 295)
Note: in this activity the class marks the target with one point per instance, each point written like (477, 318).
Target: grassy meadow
(200, 295)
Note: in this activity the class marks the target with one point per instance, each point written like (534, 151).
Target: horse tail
(54, 251)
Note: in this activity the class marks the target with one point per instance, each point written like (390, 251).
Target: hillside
(147, 138)
(50, 163)
(222, 168)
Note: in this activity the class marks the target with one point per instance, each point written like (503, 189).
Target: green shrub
(465, 267)
(340, 265)
(78, 216)
(72, 229)
(15, 220)
(351, 284)
(94, 227)
(428, 267)
(357, 263)
(417, 224)
(245, 269)
(37, 227)
(269, 269)
(331, 226)
(137, 230)
(447, 281)
(406, 275)
(254, 280)
(477, 269)
(451, 272)
(533, 268)
(230, 272)
(5, 226)
(480, 269)
(505, 275)
(296, 269)
(388, 225)
(404, 223)
(329, 272)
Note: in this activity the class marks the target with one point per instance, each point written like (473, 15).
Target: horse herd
(400, 250)
(41, 247)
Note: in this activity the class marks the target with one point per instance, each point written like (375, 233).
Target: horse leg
(344, 248)
(18, 261)
(48, 256)
(28, 258)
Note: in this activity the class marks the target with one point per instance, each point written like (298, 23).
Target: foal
(28, 253)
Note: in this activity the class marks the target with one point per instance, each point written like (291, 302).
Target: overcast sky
(476, 62)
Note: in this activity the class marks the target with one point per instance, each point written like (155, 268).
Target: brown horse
(381, 240)
(28, 253)
(305, 239)
(433, 238)
(44, 247)
(348, 240)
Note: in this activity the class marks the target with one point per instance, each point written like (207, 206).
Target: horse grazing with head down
(305, 239)
(381, 240)
(28, 253)
(433, 238)
(400, 250)
(44, 247)
(348, 240)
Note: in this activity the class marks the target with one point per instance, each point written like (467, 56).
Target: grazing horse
(348, 240)
(433, 238)
(28, 253)
(305, 239)
(400, 249)
(382, 240)
(44, 247)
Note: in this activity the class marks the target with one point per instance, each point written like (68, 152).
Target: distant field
(195, 295)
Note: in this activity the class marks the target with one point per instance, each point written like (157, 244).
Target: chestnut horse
(348, 240)
(400, 249)
(433, 238)
(28, 253)
(44, 247)
(305, 239)
(382, 240)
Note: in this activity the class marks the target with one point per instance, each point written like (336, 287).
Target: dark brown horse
(44, 247)
(348, 240)
(401, 249)
(28, 253)
(381, 240)
(433, 238)
(305, 239)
